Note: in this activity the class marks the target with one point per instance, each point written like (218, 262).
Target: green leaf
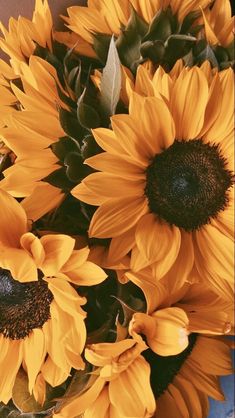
(153, 50)
(188, 21)
(21, 396)
(62, 147)
(88, 117)
(75, 169)
(101, 45)
(74, 79)
(70, 124)
(111, 80)
(129, 41)
(207, 55)
(160, 27)
(78, 382)
(90, 147)
(58, 178)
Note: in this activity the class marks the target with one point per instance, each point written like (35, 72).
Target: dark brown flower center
(187, 184)
(164, 369)
(23, 306)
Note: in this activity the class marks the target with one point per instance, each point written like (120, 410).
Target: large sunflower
(37, 302)
(20, 41)
(164, 190)
(169, 366)
(29, 133)
(144, 30)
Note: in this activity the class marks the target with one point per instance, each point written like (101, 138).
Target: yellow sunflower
(122, 387)
(107, 17)
(37, 302)
(161, 31)
(170, 365)
(164, 187)
(19, 41)
(29, 133)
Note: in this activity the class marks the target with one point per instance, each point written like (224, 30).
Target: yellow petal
(33, 246)
(109, 186)
(58, 248)
(118, 165)
(9, 369)
(158, 241)
(83, 193)
(53, 374)
(216, 250)
(88, 274)
(167, 404)
(188, 102)
(77, 259)
(43, 198)
(117, 216)
(165, 330)
(210, 34)
(13, 221)
(20, 264)
(34, 354)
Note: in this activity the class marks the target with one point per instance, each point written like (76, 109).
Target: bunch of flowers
(116, 214)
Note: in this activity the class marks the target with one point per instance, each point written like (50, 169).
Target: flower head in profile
(30, 133)
(22, 36)
(161, 31)
(164, 189)
(37, 302)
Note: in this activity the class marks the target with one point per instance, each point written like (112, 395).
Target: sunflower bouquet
(116, 214)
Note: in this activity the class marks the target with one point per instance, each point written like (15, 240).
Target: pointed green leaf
(58, 178)
(88, 117)
(101, 45)
(75, 169)
(111, 80)
(90, 147)
(70, 124)
(62, 147)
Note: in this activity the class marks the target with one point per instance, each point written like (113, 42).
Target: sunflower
(164, 191)
(37, 302)
(196, 377)
(30, 134)
(143, 30)
(119, 365)
(20, 41)
(122, 384)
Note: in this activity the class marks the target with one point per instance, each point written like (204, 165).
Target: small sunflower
(161, 31)
(20, 41)
(164, 187)
(30, 133)
(37, 301)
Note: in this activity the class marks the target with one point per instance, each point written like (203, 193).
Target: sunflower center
(187, 184)
(23, 306)
(164, 369)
